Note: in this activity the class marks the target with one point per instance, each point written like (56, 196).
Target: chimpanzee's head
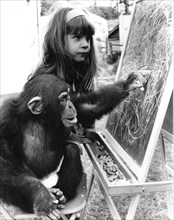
(47, 95)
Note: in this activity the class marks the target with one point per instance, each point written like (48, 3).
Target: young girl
(68, 48)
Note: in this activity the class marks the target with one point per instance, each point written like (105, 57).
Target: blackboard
(148, 47)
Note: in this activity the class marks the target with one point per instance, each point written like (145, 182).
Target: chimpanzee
(34, 129)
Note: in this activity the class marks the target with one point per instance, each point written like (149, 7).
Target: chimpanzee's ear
(35, 105)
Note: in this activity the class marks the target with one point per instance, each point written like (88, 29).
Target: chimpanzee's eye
(63, 97)
(68, 97)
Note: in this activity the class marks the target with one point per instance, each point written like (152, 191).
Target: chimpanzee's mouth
(71, 120)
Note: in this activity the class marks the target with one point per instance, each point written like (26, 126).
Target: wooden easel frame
(168, 171)
(138, 185)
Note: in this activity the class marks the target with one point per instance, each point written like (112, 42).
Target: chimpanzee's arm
(95, 104)
(71, 170)
(18, 186)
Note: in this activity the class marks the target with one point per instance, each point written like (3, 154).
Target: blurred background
(23, 23)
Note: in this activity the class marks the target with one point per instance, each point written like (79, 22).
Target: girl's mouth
(83, 53)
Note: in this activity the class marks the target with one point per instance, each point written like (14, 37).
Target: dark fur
(31, 146)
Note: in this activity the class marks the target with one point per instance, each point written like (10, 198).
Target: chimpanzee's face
(69, 113)
(51, 95)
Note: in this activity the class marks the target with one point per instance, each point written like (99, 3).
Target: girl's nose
(85, 42)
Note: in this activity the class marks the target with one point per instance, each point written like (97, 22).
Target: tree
(46, 5)
(104, 12)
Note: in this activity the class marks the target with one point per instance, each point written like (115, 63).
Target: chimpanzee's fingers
(55, 191)
(51, 190)
(135, 85)
(143, 76)
(62, 199)
(60, 206)
(55, 201)
(53, 198)
(75, 215)
(140, 78)
(78, 215)
(54, 215)
(144, 73)
(85, 140)
(57, 194)
(44, 218)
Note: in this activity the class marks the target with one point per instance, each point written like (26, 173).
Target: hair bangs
(80, 26)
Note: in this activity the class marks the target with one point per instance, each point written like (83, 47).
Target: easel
(147, 187)
(167, 134)
(138, 186)
(132, 171)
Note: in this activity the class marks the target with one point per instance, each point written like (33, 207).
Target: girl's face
(78, 46)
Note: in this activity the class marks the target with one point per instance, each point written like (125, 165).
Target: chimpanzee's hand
(44, 205)
(75, 216)
(91, 134)
(58, 197)
(138, 79)
(81, 139)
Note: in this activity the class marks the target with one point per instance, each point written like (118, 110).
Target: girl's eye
(88, 38)
(78, 37)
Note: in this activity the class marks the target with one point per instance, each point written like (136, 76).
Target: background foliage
(102, 11)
